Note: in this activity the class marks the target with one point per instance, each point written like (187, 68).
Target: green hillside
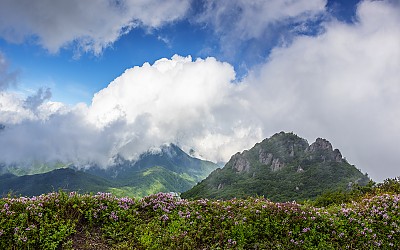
(153, 180)
(31, 169)
(65, 179)
(281, 168)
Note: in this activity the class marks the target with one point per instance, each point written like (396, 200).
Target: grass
(62, 220)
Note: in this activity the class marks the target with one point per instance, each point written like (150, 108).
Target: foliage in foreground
(162, 221)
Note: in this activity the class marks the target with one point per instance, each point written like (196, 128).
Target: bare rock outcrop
(264, 157)
(337, 156)
(299, 169)
(277, 165)
(318, 145)
(240, 163)
(323, 149)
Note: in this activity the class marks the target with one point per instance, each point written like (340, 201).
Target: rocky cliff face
(323, 149)
(283, 167)
(240, 163)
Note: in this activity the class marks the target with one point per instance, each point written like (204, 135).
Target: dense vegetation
(281, 168)
(370, 219)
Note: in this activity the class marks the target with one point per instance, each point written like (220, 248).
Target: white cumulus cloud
(191, 103)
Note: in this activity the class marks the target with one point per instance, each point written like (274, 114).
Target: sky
(83, 81)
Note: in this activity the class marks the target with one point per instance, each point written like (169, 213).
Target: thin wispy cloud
(248, 28)
(7, 77)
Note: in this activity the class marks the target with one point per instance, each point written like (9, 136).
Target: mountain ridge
(169, 156)
(168, 170)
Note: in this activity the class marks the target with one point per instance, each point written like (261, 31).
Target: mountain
(282, 168)
(31, 168)
(66, 179)
(168, 169)
(169, 157)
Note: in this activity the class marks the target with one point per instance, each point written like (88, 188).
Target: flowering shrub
(163, 221)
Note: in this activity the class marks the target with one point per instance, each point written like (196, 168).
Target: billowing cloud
(191, 103)
(92, 25)
(14, 109)
(51, 132)
(7, 78)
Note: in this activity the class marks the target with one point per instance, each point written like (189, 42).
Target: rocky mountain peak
(280, 149)
(283, 167)
(322, 148)
(320, 144)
